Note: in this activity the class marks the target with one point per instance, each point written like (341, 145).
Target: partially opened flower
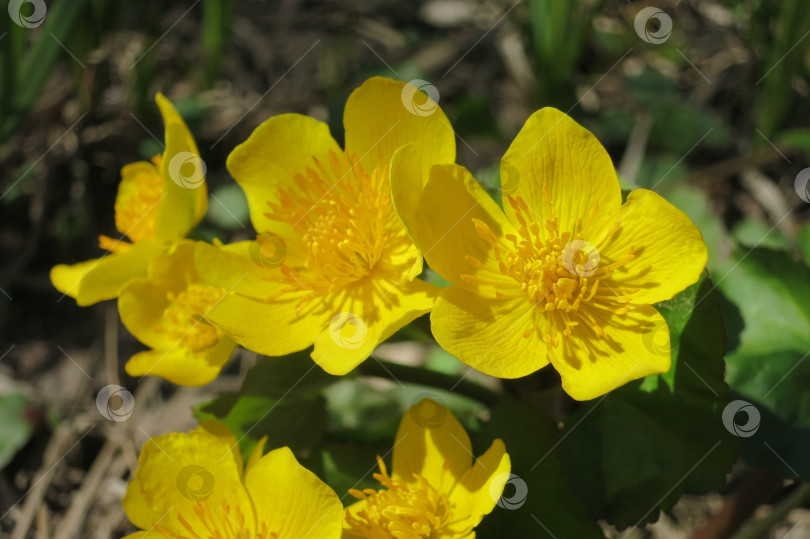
(434, 488)
(195, 485)
(332, 266)
(565, 273)
(165, 311)
(157, 204)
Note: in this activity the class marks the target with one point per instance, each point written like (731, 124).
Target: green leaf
(549, 507)
(677, 124)
(639, 448)
(348, 465)
(769, 303)
(228, 208)
(16, 425)
(804, 242)
(785, 61)
(35, 67)
(755, 232)
(279, 399)
(798, 139)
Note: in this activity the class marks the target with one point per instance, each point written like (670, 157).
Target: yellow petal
(222, 432)
(291, 501)
(274, 328)
(143, 308)
(234, 268)
(432, 443)
(103, 278)
(140, 307)
(379, 120)
(142, 301)
(185, 193)
(479, 489)
(443, 224)
(278, 150)
(554, 150)
(67, 278)
(407, 183)
(637, 345)
(178, 472)
(256, 454)
(182, 366)
(487, 334)
(374, 311)
(670, 253)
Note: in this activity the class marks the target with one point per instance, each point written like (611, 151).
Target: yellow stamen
(136, 204)
(344, 224)
(558, 276)
(411, 509)
(112, 245)
(182, 319)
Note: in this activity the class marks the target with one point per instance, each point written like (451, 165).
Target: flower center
(561, 274)
(136, 204)
(406, 510)
(182, 318)
(216, 521)
(343, 222)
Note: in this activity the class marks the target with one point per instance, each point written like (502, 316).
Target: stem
(416, 375)
(759, 528)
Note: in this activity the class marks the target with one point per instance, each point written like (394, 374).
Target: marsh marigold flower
(195, 485)
(565, 273)
(158, 203)
(165, 311)
(332, 266)
(434, 488)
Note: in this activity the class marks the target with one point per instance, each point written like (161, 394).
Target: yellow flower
(165, 311)
(332, 266)
(435, 489)
(157, 204)
(567, 275)
(195, 485)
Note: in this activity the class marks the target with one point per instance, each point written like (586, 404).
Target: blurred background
(704, 100)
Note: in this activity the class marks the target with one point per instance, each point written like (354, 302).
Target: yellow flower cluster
(562, 271)
(196, 485)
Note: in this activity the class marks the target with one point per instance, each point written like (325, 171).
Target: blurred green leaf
(215, 25)
(369, 411)
(754, 232)
(642, 446)
(228, 207)
(279, 399)
(784, 62)
(798, 139)
(769, 304)
(36, 65)
(678, 125)
(16, 425)
(439, 360)
(660, 171)
(548, 508)
(559, 31)
(346, 466)
(473, 116)
(804, 242)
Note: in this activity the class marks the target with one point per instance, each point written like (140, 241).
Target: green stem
(760, 527)
(417, 375)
